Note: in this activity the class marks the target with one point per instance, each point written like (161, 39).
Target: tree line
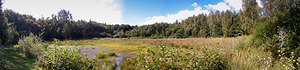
(274, 27)
(216, 24)
(59, 26)
(248, 21)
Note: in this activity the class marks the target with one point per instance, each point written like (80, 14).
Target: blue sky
(133, 12)
(136, 11)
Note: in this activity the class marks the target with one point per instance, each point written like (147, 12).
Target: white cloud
(259, 3)
(195, 4)
(221, 6)
(170, 18)
(236, 4)
(106, 11)
(183, 14)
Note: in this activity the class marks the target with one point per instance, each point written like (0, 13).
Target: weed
(101, 54)
(130, 63)
(105, 64)
(111, 53)
(93, 47)
(179, 58)
(32, 46)
(15, 60)
(65, 58)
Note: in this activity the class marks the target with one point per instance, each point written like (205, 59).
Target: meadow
(136, 54)
(190, 53)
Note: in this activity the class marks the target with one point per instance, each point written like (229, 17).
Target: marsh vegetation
(255, 38)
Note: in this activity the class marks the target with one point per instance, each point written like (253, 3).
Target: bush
(281, 42)
(64, 58)
(111, 53)
(180, 58)
(280, 34)
(31, 46)
(101, 54)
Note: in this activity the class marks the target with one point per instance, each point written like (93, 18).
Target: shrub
(101, 54)
(179, 58)
(31, 46)
(64, 58)
(93, 47)
(280, 34)
(283, 45)
(112, 53)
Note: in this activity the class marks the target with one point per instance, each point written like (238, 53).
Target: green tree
(218, 23)
(227, 22)
(3, 27)
(280, 30)
(250, 15)
(64, 15)
(215, 25)
(211, 25)
(204, 29)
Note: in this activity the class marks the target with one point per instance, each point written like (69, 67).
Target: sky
(133, 12)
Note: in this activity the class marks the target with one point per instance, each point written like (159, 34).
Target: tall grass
(192, 53)
(2, 63)
(105, 64)
(32, 46)
(232, 56)
(60, 58)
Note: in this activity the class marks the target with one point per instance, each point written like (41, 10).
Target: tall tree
(204, 29)
(281, 28)
(64, 15)
(3, 27)
(227, 22)
(250, 15)
(218, 23)
(211, 25)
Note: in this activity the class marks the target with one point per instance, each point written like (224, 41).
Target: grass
(105, 64)
(236, 53)
(111, 53)
(232, 53)
(117, 45)
(101, 54)
(17, 61)
(134, 45)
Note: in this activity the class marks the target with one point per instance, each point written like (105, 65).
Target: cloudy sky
(133, 12)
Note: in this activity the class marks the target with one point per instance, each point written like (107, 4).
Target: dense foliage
(60, 26)
(3, 28)
(279, 30)
(64, 58)
(216, 24)
(275, 27)
(32, 46)
(2, 36)
(166, 57)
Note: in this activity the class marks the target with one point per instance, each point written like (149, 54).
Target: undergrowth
(64, 58)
